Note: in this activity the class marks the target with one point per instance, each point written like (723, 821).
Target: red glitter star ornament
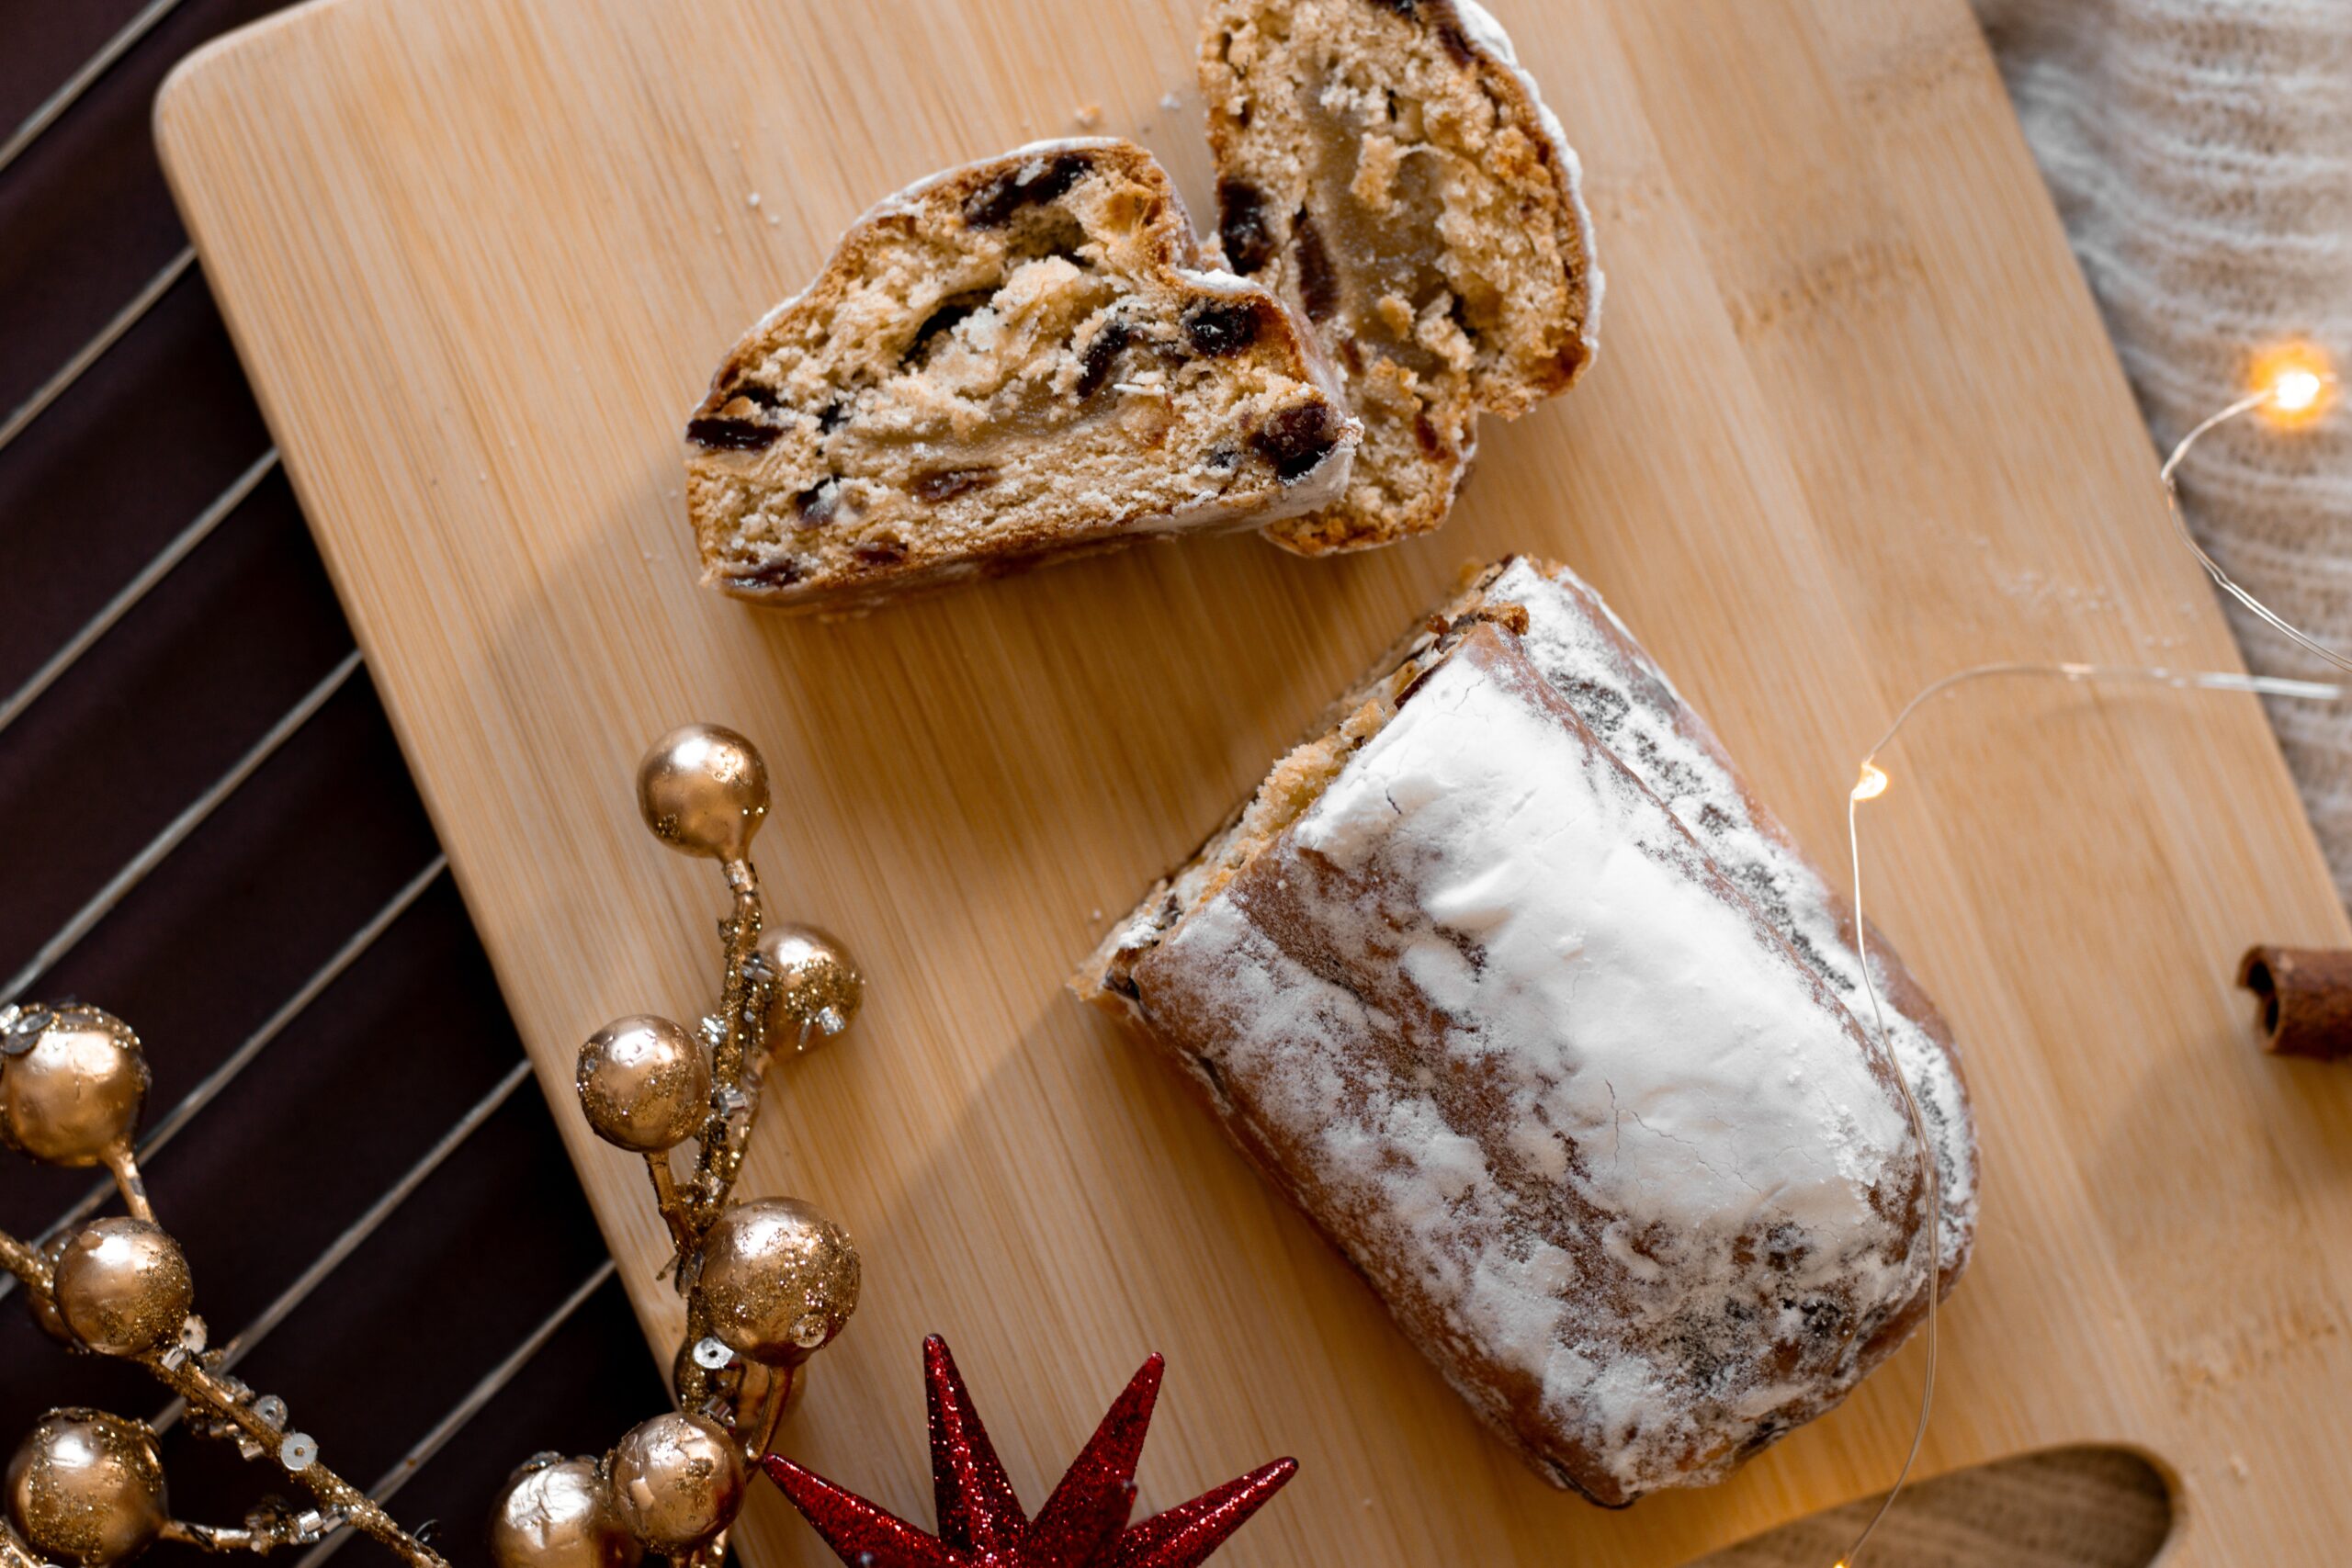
(981, 1525)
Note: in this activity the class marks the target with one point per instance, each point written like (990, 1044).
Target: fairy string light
(2292, 387)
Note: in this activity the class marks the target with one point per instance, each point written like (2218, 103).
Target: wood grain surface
(1854, 424)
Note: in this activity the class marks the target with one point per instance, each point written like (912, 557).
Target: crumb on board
(1088, 117)
(1171, 101)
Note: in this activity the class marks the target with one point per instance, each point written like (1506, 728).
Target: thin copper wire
(1869, 787)
(91, 352)
(355, 1234)
(492, 1383)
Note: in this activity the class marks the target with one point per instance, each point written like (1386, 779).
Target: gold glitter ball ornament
(777, 1280)
(675, 1482)
(557, 1514)
(72, 1083)
(123, 1287)
(644, 1083)
(817, 987)
(87, 1488)
(702, 789)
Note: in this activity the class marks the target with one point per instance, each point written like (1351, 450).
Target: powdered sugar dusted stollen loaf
(1602, 1137)
(1391, 171)
(1014, 360)
(1618, 689)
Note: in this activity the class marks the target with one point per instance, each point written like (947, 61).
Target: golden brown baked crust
(1011, 361)
(1389, 170)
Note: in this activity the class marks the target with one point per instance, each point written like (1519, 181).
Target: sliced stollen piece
(1387, 166)
(1592, 1120)
(1014, 360)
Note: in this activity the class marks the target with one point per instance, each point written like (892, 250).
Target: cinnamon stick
(2305, 998)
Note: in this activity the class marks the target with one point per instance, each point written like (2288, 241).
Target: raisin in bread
(1509, 981)
(1390, 170)
(1011, 360)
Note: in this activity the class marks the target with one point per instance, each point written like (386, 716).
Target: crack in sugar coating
(1011, 360)
(1388, 170)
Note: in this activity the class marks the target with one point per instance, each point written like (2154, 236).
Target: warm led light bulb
(1872, 784)
(2295, 390)
(2293, 380)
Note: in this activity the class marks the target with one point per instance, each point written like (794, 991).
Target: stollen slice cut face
(1389, 170)
(1010, 361)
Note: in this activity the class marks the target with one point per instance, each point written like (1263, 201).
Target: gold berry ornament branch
(767, 1282)
(85, 1487)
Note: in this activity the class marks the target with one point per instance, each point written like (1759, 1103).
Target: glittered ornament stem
(14, 1552)
(767, 1282)
(768, 1403)
(294, 1453)
(694, 1377)
(123, 1166)
(732, 1063)
(223, 1538)
(25, 1262)
(675, 1212)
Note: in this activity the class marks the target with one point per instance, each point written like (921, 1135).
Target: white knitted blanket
(2200, 152)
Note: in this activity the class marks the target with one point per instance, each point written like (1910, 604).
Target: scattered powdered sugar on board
(1552, 1080)
(1635, 711)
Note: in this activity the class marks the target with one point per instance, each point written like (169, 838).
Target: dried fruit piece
(935, 485)
(1241, 225)
(731, 435)
(1102, 354)
(1297, 438)
(1032, 183)
(1218, 327)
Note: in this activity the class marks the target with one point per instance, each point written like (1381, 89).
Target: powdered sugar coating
(1634, 709)
(1606, 1145)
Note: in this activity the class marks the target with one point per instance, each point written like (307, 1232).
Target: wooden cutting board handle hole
(2072, 1507)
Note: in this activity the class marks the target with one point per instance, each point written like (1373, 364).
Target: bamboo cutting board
(1854, 426)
